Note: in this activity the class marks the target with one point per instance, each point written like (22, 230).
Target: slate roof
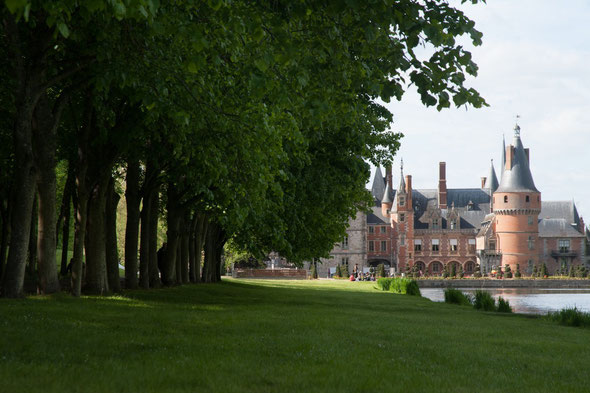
(378, 186)
(376, 218)
(518, 178)
(560, 209)
(388, 195)
(472, 205)
(491, 181)
(557, 227)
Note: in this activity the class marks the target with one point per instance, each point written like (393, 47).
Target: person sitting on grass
(351, 277)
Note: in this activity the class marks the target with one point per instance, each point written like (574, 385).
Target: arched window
(527, 199)
(505, 198)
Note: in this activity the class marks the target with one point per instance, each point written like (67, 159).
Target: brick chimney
(483, 181)
(409, 190)
(388, 176)
(442, 185)
(509, 156)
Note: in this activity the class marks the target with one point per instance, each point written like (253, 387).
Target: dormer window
(402, 217)
(435, 223)
(402, 201)
(453, 224)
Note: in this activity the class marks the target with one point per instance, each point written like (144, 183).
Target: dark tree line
(250, 121)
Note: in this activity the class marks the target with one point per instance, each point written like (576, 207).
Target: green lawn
(281, 336)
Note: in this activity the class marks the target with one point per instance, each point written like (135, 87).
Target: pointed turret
(378, 186)
(516, 176)
(387, 195)
(491, 182)
(402, 184)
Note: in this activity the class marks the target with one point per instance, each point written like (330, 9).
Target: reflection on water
(528, 300)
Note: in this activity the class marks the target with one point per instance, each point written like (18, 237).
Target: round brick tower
(517, 204)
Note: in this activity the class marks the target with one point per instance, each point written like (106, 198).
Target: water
(528, 300)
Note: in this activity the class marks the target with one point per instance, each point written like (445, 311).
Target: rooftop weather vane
(517, 127)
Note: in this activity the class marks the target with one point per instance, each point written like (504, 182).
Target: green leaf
(192, 68)
(215, 4)
(63, 29)
(15, 5)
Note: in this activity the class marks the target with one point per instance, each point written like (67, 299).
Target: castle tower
(403, 221)
(517, 204)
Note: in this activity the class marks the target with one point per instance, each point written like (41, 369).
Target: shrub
(338, 272)
(544, 272)
(381, 270)
(504, 305)
(477, 271)
(461, 272)
(384, 283)
(508, 271)
(412, 288)
(400, 285)
(453, 271)
(455, 296)
(570, 317)
(517, 273)
(446, 271)
(484, 301)
(571, 272)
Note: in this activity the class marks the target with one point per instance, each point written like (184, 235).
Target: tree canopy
(250, 121)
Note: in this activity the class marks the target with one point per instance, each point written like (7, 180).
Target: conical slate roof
(402, 183)
(491, 181)
(378, 186)
(518, 178)
(387, 195)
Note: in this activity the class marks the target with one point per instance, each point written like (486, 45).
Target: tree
(508, 271)
(256, 119)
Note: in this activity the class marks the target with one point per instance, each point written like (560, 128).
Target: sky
(534, 63)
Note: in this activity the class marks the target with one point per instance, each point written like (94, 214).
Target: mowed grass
(281, 336)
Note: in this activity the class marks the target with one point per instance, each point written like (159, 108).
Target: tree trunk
(192, 236)
(210, 249)
(219, 259)
(111, 237)
(5, 214)
(201, 236)
(32, 253)
(173, 220)
(144, 251)
(154, 272)
(96, 266)
(81, 200)
(178, 268)
(45, 147)
(65, 213)
(81, 218)
(132, 227)
(25, 173)
(184, 251)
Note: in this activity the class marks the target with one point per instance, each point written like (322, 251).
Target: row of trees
(250, 121)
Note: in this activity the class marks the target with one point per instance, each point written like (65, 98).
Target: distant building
(500, 223)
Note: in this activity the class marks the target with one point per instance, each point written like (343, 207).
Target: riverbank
(504, 283)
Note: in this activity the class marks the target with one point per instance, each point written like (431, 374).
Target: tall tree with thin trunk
(133, 200)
